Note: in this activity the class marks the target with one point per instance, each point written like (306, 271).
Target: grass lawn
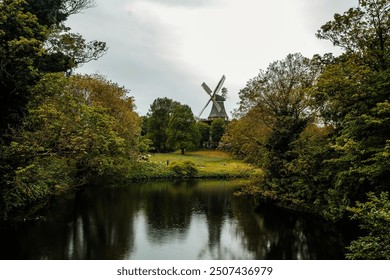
(209, 163)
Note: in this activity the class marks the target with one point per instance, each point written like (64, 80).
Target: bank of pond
(185, 219)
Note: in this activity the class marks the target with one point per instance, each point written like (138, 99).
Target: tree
(66, 51)
(182, 130)
(159, 115)
(281, 96)
(85, 129)
(244, 137)
(353, 94)
(55, 12)
(21, 43)
(33, 40)
(204, 131)
(374, 217)
(218, 128)
(362, 32)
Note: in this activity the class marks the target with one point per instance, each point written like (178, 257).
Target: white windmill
(218, 109)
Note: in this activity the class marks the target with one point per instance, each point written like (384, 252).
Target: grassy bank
(198, 164)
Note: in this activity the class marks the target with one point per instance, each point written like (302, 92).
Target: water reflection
(165, 220)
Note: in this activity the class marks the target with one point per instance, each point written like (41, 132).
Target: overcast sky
(167, 48)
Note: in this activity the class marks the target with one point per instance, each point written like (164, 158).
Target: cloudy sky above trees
(167, 48)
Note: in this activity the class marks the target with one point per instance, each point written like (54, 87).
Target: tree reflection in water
(165, 220)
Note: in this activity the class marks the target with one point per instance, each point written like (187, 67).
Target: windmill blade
(220, 84)
(212, 98)
(207, 89)
(216, 103)
(207, 104)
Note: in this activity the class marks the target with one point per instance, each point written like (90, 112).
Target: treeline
(170, 126)
(58, 130)
(320, 128)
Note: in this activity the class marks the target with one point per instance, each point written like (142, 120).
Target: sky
(168, 48)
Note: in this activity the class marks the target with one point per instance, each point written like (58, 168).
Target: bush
(374, 218)
(185, 169)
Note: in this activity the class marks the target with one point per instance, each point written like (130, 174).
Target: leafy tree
(84, 130)
(218, 128)
(159, 115)
(374, 216)
(54, 12)
(66, 51)
(21, 45)
(26, 51)
(182, 130)
(362, 32)
(204, 131)
(353, 95)
(281, 97)
(98, 92)
(244, 137)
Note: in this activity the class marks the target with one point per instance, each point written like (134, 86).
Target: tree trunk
(182, 151)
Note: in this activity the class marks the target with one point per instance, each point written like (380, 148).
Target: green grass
(210, 164)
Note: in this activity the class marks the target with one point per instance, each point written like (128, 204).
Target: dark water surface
(165, 220)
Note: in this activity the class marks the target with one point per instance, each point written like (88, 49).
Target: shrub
(185, 169)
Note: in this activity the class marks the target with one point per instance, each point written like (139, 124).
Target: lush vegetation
(58, 130)
(317, 127)
(170, 125)
(321, 127)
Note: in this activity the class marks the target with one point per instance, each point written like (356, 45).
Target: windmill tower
(218, 109)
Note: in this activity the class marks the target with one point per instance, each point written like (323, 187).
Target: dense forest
(318, 127)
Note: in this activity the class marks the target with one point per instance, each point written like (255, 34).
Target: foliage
(362, 32)
(204, 132)
(374, 216)
(353, 95)
(320, 126)
(158, 117)
(244, 138)
(182, 130)
(218, 128)
(82, 130)
(184, 169)
(171, 125)
(26, 50)
(280, 100)
(21, 46)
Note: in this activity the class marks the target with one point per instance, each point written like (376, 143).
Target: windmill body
(214, 113)
(218, 108)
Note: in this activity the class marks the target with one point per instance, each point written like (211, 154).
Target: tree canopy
(34, 40)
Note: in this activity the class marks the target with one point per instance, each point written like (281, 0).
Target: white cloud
(168, 48)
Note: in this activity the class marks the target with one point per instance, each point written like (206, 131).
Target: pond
(166, 220)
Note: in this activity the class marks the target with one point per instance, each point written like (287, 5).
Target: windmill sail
(218, 108)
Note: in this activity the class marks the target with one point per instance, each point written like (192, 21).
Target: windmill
(218, 110)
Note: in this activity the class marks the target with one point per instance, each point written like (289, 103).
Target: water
(165, 220)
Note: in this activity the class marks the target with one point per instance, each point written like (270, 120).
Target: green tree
(204, 131)
(26, 51)
(353, 95)
(374, 216)
(281, 96)
(362, 32)
(182, 130)
(21, 44)
(244, 137)
(159, 115)
(84, 130)
(218, 128)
